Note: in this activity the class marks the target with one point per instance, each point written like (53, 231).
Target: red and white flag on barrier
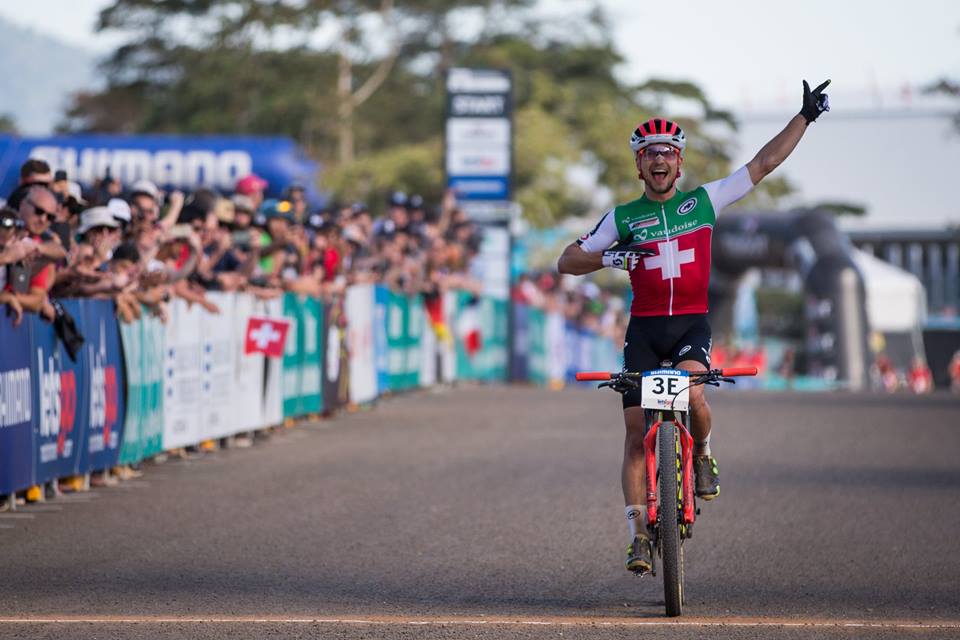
(266, 335)
(468, 327)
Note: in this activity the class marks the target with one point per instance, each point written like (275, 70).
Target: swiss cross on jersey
(669, 259)
(266, 335)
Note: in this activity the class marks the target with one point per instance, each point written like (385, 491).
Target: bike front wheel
(671, 554)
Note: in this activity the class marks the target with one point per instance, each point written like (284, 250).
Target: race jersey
(674, 281)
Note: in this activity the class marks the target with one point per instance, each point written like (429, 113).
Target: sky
(750, 56)
(747, 54)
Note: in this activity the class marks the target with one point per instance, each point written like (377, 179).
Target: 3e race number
(665, 389)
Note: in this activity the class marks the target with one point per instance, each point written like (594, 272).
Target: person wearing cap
(280, 258)
(124, 267)
(396, 218)
(121, 212)
(253, 187)
(145, 204)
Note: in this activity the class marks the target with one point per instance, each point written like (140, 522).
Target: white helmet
(657, 130)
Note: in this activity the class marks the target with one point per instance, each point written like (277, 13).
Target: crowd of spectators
(579, 300)
(142, 247)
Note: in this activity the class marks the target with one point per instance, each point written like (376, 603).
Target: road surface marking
(493, 621)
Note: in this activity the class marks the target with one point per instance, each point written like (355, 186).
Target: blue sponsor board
(480, 187)
(381, 352)
(16, 407)
(105, 376)
(172, 162)
(61, 398)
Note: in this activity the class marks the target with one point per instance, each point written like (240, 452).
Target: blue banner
(181, 162)
(61, 400)
(16, 407)
(380, 351)
(104, 377)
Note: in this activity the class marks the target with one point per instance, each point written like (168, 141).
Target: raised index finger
(821, 87)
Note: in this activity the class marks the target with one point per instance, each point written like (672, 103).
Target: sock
(702, 448)
(636, 520)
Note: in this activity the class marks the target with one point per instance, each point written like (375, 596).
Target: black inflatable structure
(808, 242)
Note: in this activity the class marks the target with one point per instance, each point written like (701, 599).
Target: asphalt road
(495, 512)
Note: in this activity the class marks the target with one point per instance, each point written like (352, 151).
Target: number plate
(665, 389)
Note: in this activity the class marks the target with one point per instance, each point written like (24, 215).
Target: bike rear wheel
(669, 534)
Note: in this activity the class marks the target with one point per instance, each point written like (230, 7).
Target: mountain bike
(668, 456)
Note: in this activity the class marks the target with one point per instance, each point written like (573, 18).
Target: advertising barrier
(132, 391)
(104, 378)
(182, 393)
(217, 366)
(248, 381)
(360, 307)
(61, 398)
(16, 407)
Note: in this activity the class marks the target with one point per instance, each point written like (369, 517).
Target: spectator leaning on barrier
(38, 209)
(12, 251)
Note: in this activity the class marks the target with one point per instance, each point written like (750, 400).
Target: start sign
(665, 389)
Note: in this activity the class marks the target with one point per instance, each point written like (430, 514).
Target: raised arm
(782, 145)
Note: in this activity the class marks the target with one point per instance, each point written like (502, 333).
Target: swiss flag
(266, 335)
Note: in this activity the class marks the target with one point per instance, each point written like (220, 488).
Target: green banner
(302, 356)
(291, 363)
(151, 403)
(131, 335)
(311, 356)
(143, 356)
(398, 317)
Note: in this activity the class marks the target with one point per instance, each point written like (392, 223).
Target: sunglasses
(664, 150)
(100, 229)
(51, 216)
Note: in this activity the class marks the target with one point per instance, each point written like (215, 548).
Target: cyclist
(663, 241)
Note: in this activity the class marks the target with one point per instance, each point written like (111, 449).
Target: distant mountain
(37, 75)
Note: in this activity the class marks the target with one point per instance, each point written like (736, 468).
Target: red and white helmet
(657, 131)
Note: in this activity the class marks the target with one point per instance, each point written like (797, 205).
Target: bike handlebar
(584, 376)
(726, 372)
(730, 372)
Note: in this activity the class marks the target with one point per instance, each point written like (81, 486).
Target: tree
(368, 98)
(7, 123)
(254, 67)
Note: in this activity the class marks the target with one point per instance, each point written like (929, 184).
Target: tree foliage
(303, 68)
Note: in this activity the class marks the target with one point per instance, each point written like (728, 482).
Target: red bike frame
(650, 457)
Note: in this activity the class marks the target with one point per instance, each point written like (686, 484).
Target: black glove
(814, 102)
(624, 256)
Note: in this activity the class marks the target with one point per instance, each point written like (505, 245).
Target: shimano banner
(172, 162)
(16, 407)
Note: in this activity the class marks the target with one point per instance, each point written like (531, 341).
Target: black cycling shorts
(656, 341)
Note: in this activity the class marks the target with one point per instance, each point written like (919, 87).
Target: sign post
(479, 166)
